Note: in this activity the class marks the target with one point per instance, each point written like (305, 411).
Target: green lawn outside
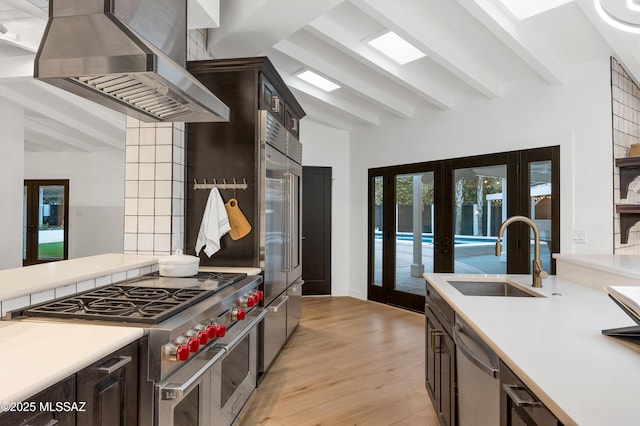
(51, 250)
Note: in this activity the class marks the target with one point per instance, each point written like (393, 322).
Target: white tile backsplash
(164, 136)
(85, 285)
(163, 206)
(146, 224)
(164, 153)
(164, 171)
(15, 303)
(162, 225)
(147, 154)
(146, 206)
(119, 276)
(147, 135)
(145, 242)
(146, 189)
(163, 189)
(147, 171)
(102, 281)
(133, 273)
(66, 290)
(42, 296)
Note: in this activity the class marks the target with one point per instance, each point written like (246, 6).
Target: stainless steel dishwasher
(478, 378)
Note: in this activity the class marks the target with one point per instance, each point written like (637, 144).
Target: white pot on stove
(178, 265)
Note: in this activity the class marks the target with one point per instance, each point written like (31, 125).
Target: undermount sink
(491, 288)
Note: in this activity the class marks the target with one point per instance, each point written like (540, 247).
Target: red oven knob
(222, 330)
(259, 295)
(203, 337)
(238, 314)
(194, 344)
(251, 301)
(177, 352)
(212, 331)
(182, 353)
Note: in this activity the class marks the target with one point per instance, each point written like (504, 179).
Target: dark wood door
(316, 230)
(46, 227)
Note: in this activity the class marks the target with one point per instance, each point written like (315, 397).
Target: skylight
(523, 9)
(318, 81)
(397, 48)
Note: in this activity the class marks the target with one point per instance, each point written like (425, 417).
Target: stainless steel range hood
(128, 55)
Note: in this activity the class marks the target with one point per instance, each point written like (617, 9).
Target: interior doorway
(316, 230)
(45, 232)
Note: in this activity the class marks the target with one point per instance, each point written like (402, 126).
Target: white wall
(11, 184)
(327, 147)
(96, 196)
(575, 115)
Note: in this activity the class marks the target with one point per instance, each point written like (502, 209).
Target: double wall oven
(199, 358)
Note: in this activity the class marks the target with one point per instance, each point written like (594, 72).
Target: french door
(443, 216)
(46, 211)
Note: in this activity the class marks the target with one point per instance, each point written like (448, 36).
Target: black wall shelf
(629, 170)
(629, 216)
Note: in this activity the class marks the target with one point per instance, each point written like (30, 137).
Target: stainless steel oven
(213, 387)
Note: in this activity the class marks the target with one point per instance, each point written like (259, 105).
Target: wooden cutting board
(240, 226)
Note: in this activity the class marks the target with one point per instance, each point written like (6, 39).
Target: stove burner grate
(110, 307)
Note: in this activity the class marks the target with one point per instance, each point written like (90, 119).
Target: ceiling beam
(319, 113)
(427, 33)
(521, 42)
(344, 106)
(343, 40)
(346, 78)
(27, 7)
(251, 27)
(72, 117)
(46, 132)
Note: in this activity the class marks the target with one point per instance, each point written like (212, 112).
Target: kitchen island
(555, 345)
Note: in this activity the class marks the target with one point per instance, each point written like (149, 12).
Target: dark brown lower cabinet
(110, 389)
(103, 394)
(440, 368)
(519, 406)
(36, 411)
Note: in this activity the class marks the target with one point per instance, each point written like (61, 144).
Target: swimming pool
(428, 238)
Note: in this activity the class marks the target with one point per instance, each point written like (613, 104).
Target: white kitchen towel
(215, 224)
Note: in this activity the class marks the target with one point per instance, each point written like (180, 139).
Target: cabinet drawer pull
(124, 360)
(275, 104)
(434, 334)
(519, 402)
(275, 307)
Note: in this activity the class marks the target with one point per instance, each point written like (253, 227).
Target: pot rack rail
(223, 185)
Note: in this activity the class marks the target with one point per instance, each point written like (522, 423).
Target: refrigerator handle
(288, 188)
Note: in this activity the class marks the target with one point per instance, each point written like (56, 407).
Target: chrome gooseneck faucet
(537, 273)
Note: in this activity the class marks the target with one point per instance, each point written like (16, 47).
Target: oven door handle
(255, 316)
(176, 392)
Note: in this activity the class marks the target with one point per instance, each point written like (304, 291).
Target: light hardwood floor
(350, 362)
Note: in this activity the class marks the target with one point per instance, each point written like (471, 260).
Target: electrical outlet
(579, 236)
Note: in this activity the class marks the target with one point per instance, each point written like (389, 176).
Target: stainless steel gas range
(199, 357)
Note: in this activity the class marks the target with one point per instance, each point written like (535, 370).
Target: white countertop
(555, 345)
(36, 355)
(32, 279)
(620, 264)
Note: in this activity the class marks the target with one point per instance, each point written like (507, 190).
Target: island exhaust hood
(128, 55)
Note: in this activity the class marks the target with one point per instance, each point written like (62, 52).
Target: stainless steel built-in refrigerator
(281, 181)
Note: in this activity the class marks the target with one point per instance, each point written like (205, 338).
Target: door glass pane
(377, 230)
(480, 203)
(24, 223)
(51, 222)
(414, 231)
(540, 208)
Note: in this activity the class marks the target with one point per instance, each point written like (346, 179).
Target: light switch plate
(580, 236)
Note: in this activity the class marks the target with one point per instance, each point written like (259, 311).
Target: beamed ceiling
(474, 49)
